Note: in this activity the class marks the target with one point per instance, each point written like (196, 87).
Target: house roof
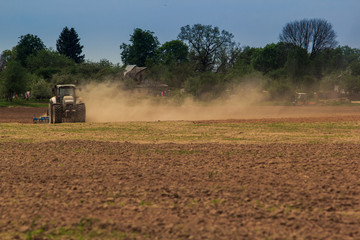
(133, 69)
(128, 68)
(139, 69)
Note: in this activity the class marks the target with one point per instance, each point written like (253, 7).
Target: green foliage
(279, 89)
(88, 72)
(23, 103)
(14, 79)
(98, 71)
(329, 81)
(335, 60)
(173, 52)
(64, 78)
(206, 85)
(142, 49)
(297, 65)
(352, 83)
(355, 68)
(243, 64)
(27, 46)
(40, 90)
(46, 63)
(228, 57)
(5, 57)
(174, 74)
(271, 57)
(69, 45)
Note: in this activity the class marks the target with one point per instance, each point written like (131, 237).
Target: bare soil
(122, 190)
(210, 114)
(20, 114)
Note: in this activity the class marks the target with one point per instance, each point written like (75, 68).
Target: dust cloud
(107, 102)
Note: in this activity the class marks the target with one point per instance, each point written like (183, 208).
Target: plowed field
(294, 177)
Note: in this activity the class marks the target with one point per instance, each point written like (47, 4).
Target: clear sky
(103, 25)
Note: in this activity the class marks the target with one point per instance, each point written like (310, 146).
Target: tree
(228, 57)
(5, 57)
(271, 57)
(98, 70)
(350, 55)
(14, 79)
(69, 45)
(242, 65)
(142, 49)
(28, 45)
(313, 35)
(355, 68)
(297, 66)
(206, 44)
(173, 52)
(47, 62)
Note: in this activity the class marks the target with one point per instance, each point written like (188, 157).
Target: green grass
(23, 103)
(83, 230)
(186, 132)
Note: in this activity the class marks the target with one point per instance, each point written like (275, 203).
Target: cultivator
(40, 119)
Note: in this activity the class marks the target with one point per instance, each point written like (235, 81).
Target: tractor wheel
(56, 114)
(50, 113)
(80, 113)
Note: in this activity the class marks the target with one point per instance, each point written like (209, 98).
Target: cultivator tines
(40, 119)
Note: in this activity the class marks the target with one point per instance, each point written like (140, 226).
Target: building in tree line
(144, 85)
(135, 72)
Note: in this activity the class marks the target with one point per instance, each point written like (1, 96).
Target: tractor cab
(65, 90)
(300, 99)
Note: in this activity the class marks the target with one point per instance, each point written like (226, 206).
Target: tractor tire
(50, 113)
(80, 113)
(56, 114)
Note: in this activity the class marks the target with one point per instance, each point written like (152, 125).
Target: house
(135, 72)
(144, 85)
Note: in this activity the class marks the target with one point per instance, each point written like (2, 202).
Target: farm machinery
(300, 99)
(65, 105)
(303, 99)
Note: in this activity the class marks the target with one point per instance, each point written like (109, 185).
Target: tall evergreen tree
(69, 45)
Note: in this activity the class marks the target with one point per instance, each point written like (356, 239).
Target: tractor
(65, 105)
(300, 99)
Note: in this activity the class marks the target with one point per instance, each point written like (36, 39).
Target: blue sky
(104, 25)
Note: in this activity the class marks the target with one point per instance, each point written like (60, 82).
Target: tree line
(203, 60)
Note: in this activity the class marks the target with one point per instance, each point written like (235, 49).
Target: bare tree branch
(314, 34)
(207, 44)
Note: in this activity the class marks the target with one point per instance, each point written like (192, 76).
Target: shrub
(40, 90)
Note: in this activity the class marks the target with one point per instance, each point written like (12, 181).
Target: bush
(40, 90)
(279, 89)
(63, 79)
(206, 86)
(352, 84)
(355, 68)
